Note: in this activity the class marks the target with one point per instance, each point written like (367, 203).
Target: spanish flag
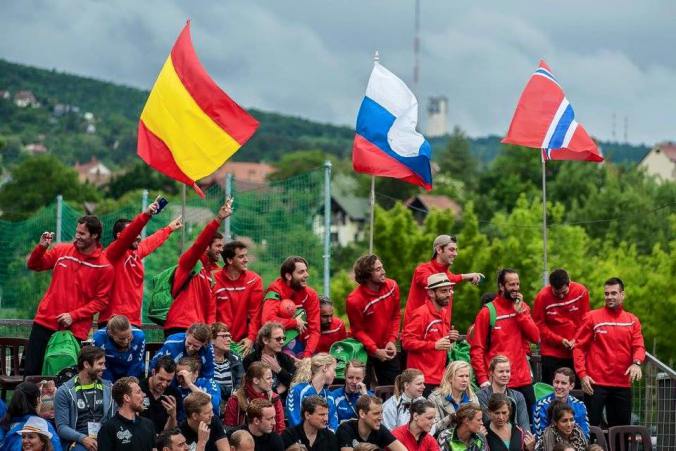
(189, 127)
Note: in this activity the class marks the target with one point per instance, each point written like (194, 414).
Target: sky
(312, 58)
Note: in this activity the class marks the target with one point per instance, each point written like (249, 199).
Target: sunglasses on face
(279, 339)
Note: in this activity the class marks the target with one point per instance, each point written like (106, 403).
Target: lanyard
(90, 408)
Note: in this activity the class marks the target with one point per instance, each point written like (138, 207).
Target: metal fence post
(228, 193)
(327, 227)
(59, 217)
(144, 205)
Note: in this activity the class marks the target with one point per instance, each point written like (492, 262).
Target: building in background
(437, 117)
(421, 204)
(93, 172)
(661, 161)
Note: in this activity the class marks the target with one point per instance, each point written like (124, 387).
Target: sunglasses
(227, 336)
(279, 339)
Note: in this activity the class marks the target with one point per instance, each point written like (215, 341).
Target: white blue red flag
(386, 143)
(545, 119)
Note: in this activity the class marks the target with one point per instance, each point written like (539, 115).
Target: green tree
(457, 161)
(141, 176)
(299, 162)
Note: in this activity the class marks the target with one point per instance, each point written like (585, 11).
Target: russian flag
(386, 141)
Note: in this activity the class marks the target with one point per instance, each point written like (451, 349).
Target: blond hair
(445, 388)
(308, 367)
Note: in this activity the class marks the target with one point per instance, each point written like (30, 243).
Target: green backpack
(62, 351)
(160, 295)
(346, 350)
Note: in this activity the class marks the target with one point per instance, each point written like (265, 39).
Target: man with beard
(127, 430)
(312, 432)
(373, 311)
(160, 400)
(125, 348)
(513, 328)
(428, 334)
(332, 327)
(368, 428)
(82, 279)
(83, 403)
(292, 284)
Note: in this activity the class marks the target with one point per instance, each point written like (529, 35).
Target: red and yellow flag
(189, 127)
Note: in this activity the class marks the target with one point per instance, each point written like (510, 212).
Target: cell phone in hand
(161, 204)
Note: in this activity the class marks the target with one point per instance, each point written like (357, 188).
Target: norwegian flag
(544, 119)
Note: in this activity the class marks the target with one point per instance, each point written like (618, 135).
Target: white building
(661, 161)
(437, 117)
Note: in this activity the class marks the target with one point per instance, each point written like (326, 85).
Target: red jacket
(234, 416)
(80, 285)
(426, 442)
(194, 304)
(422, 329)
(335, 332)
(559, 318)
(126, 297)
(607, 343)
(305, 298)
(417, 294)
(508, 336)
(374, 316)
(237, 302)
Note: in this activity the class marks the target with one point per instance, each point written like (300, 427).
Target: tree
(299, 162)
(141, 176)
(457, 161)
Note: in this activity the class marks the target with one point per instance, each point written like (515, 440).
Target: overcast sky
(312, 58)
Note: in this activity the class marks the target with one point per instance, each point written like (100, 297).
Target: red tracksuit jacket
(126, 297)
(194, 304)
(422, 329)
(305, 298)
(508, 336)
(374, 316)
(559, 318)
(417, 294)
(80, 285)
(237, 303)
(607, 343)
(425, 442)
(334, 333)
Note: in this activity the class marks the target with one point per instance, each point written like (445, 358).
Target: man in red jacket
(513, 327)
(126, 253)
(332, 327)
(445, 249)
(558, 312)
(374, 313)
(608, 354)
(82, 278)
(193, 302)
(292, 284)
(239, 294)
(428, 335)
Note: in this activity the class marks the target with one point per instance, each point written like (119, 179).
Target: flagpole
(372, 203)
(183, 216)
(545, 274)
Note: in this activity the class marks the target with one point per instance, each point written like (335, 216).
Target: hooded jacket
(238, 302)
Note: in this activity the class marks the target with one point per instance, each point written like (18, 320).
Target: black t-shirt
(325, 440)
(154, 410)
(121, 434)
(89, 403)
(216, 434)
(269, 442)
(348, 435)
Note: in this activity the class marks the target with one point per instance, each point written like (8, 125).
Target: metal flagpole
(182, 216)
(327, 228)
(545, 272)
(372, 203)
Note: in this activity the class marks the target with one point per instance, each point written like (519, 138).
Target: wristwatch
(637, 362)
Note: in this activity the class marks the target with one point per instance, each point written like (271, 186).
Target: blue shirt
(346, 403)
(130, 362)
(541, 420)
(294, 403)
(174, 346)
(208, 386)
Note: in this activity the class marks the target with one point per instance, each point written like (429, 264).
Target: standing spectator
(409, 386)
(427, 335)
(415, 435)
(161, 397)
(125, 348)
(564, 381)
(503, 435)
(82, 279)
(346, 397)
(239, 295)
(332, 327)
(313, 377)
(126, 253)
(368, 428)
(608, 354)
(261, 423)
(193, 343)
(313, 432)
(228, 365)
(499, 373)
(292, 284)
(558, 312)
(562, 429)
(83, 403)
(171, 440)
(22, 408)
(373, 311)
(455, 391)
(193, 301)
(127, 430)
(202, 429)
(268, 349)
(444, 251)
(513, 327)
(188, 381)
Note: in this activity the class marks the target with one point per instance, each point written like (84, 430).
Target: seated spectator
(564, 447)
(46, 404)
(465, 431)
(502, 434)
(257, 384)
(126, 430)
(171, 440)
(201, 428)
(564, 381)
(268, 349)
(22, 407)
(261, 423)
(331, 327)
(313, 432)
(125, 348)
(499, 373)
(84, 402)
(346, 397)
(313, 377)
(408, 387)
(187, 382)
(161, 397)
(35, 435)
(562, 429)
(367, 428)
(228, 367)
(242, 440)
(455, 390)
(415, 435)
(195, 342)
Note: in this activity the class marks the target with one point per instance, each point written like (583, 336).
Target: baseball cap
(442, 240)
